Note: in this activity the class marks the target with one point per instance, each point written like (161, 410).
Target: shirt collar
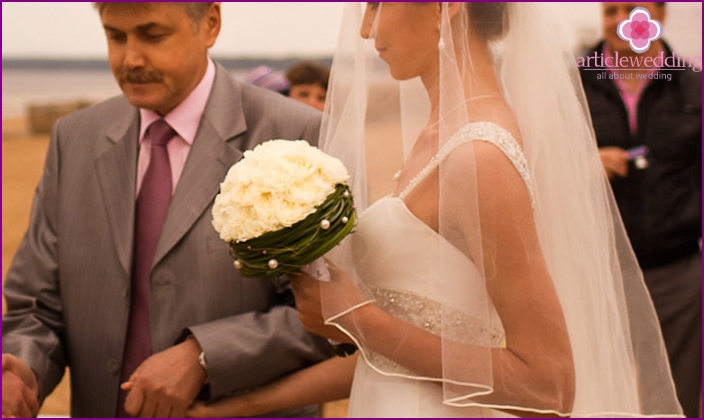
(185, 118)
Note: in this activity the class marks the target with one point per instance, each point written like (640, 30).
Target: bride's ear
(453, 8)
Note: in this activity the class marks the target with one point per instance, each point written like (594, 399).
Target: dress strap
(482, 131)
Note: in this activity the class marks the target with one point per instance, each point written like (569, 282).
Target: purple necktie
(150, 213)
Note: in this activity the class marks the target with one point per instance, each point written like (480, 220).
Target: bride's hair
(488, 20)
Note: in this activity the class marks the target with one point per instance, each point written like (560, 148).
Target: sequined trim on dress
(433, 317)
(482, 131)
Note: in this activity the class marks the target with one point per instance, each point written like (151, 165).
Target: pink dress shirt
(629, 96)
(184, 119)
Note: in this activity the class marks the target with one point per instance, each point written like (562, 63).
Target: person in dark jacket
(648, 124)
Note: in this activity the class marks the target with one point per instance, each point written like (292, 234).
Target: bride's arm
(323, 382)
(536, 365)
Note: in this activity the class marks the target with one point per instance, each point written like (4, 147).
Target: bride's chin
(399, 75)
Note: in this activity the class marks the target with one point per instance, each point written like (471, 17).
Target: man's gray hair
(195, 10)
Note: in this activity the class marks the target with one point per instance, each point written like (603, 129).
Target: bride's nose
(367, 21)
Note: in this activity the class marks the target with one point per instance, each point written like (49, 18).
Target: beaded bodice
(479, 131)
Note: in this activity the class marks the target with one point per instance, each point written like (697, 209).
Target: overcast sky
(248, 29)
(276, 30)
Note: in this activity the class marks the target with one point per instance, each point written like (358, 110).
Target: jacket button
(113, 366)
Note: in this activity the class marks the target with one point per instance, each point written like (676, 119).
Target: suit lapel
(213, 152)
(116, 154)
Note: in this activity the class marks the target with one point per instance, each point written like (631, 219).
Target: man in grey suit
(70, 291)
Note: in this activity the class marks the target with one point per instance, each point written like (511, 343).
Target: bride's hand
(307, 291)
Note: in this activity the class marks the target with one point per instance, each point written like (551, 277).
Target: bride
(495, 279)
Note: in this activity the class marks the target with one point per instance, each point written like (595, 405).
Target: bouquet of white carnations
(282, 206)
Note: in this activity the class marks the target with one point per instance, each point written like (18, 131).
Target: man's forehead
(138, 11)
(141, 15)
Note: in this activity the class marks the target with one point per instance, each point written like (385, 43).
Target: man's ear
(212, 22)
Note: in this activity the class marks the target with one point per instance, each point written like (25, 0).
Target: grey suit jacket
(68, 287)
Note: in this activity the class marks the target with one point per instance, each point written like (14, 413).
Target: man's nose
(134, 56)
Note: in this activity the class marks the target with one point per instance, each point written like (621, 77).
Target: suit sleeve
(32, 327)
(249, 350)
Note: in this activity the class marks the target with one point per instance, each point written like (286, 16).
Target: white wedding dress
(398, 257)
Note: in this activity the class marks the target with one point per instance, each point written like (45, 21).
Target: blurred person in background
(308, 83)
(305, 82)
(267, 78)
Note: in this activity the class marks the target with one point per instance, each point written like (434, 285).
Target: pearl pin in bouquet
(282, 206)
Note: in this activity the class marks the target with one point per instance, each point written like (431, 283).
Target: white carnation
(274, 186)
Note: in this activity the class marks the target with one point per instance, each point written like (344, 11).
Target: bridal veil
(372, 122)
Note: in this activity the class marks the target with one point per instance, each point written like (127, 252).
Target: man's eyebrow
(110, 28)
(141, 28)
(148, 26)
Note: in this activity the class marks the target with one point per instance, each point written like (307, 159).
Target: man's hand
(20, 391)
(167, 383)
(615, 161)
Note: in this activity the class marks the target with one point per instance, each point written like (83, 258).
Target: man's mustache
(140, 76)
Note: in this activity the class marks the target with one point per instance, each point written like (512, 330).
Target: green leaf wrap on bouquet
(287, 250)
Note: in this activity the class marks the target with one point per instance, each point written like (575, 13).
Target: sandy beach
(22, 161)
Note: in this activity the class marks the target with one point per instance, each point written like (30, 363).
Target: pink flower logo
(639, 30)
